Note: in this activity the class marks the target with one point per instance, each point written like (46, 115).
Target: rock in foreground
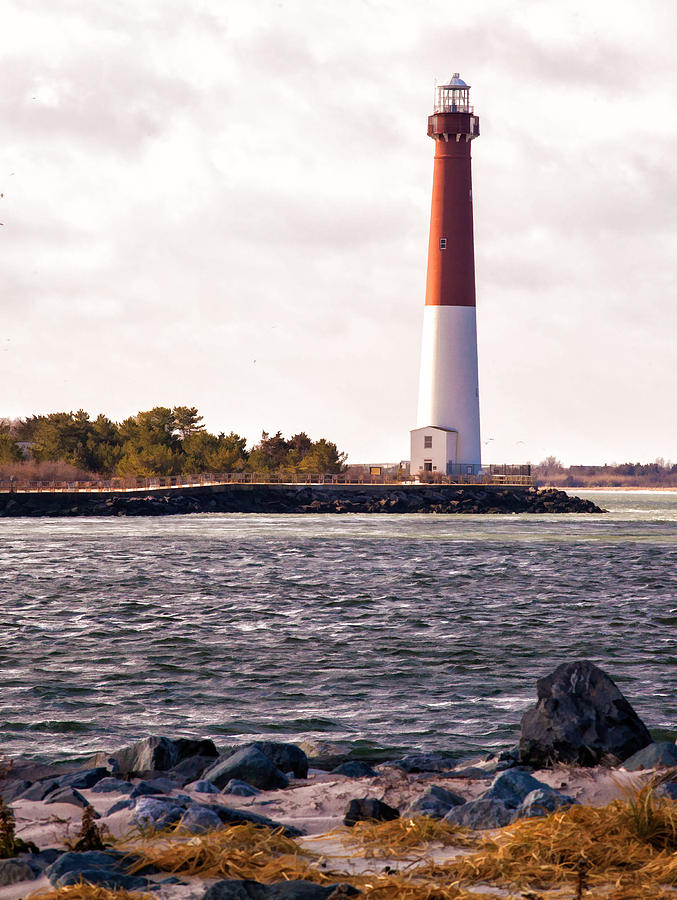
(661, 755)
(435, 802)
(104, 868)
(156, 753)
(284, 756)
(249, 765)
(581, 717)
(481, 814)
(368, 809)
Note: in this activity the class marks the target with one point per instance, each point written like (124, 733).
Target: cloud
(198, 188)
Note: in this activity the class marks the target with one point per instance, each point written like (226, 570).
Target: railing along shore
(172, 482)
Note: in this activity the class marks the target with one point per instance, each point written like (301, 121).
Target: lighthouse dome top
(456, 82)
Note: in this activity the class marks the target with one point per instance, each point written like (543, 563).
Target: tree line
(660, 473)
(159, 441)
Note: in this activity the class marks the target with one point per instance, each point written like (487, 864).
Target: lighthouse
(446, 439)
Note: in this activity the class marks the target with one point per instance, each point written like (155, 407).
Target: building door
(427, 465)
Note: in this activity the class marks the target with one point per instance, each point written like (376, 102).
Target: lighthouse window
(427, 442)
(443, 243)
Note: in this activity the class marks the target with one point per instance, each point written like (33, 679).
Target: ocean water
(394, 632)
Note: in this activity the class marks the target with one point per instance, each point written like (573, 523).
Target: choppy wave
(398, 631)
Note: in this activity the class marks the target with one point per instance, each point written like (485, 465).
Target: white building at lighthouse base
(433, 450)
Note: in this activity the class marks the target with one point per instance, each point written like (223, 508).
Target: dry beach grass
(623, 850)
(397, 838)
(239, 851)
(88, 892)
(262, 854)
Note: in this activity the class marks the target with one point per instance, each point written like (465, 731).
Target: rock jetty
(264, 498)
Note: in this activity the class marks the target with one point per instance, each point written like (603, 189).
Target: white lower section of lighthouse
(447, 437)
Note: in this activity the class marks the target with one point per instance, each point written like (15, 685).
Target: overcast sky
(226, 204)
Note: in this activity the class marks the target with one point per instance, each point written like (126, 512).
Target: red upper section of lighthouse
(451, 255)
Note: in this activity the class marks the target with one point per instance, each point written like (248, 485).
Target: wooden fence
(170, 482)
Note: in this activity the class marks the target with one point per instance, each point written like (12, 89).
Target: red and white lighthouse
(446, 439)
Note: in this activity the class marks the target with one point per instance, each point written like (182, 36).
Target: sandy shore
(315, 805)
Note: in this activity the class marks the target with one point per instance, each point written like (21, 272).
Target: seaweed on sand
(626, 850)
(401, 836)
(265, 855)
(238, 851)
(87, 891)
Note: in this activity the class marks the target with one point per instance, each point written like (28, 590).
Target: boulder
(285, 757)
(238, 788)
(206, 787)
(199, 819)
(156, 754)
(667, 790)
(121, 804)
(103, 868)
(498, 762)
(68, 795)
(355, 768)
(12, 790)
(480, 814)
(415, 763)
(231, 816)
(369, 809)
(512, 787)
(474, 773)
(148, 755)
(188, 748)
(581, 717)
(660, 755)
(39, 790)
(46, 857)
(284, 890)
(306, 890)
(85, 779)
(435, 802)
(542, 802)
(156, 814)
(18, 869)
(107, 878)
(112, 785)
(326, 755)
(150, 789)
(190, 769)
(522, 792)
(248, 764)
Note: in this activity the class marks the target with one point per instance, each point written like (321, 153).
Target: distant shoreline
(625, 489)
